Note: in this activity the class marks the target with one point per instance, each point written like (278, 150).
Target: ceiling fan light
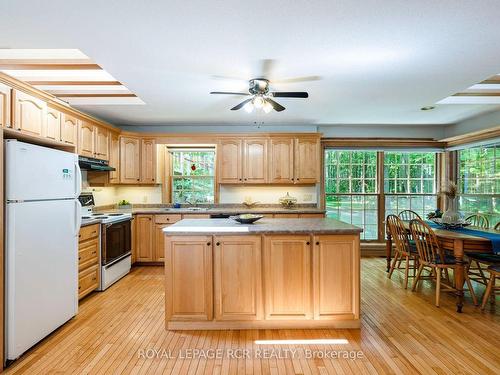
(248, 107)
(267, 107)
(258, 102)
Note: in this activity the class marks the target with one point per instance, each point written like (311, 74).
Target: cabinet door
(101, 143)
(307, 161)
(86, 139)
(148, 161)
(237, 278)
(144, 238)
(5, 92)
(287, 277)
(230, 161)
(29, 113)
(159, 248)
(255, 161)
(281, 160)
(53, 127)
(129, 160)
(188, 281)
(336, 277)
(114, 158)
(69, 129)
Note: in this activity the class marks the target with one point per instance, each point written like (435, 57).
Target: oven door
(116, 241)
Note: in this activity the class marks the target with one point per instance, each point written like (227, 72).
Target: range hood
(90, 164)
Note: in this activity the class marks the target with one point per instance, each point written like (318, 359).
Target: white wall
(267, 194)
(383, 131)
(482, 122)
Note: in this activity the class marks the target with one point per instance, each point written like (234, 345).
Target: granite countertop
(232, 210)
(263, 226)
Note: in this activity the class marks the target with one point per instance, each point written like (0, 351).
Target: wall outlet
(307, 197)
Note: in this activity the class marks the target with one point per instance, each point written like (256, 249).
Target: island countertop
(263, 226)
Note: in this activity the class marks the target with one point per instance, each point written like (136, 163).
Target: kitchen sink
(197, 208)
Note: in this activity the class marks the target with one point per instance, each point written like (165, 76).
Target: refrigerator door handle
(78, 179)
(78, 217)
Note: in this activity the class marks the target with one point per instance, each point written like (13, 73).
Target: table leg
(388, 250)
(458, 250)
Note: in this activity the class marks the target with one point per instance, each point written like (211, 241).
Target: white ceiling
(380, 61)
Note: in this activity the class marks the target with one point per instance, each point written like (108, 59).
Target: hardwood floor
(402, 333)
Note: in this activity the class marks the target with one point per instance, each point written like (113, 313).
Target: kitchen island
(275, 273)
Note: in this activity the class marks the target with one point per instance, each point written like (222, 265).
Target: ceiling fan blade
(297, 79)
(230, 93)
(267, 68)
(239, 106)
(277, 107)
(282, 94)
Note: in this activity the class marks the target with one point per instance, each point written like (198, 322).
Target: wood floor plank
(402, 332)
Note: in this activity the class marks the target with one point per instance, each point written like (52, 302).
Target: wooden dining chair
(407, 215)
(433, 257)
(491, 289)
(478, 220)
(497, 226)
(404, 252)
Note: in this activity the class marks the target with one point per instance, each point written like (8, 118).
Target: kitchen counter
(273, 274)
(90, 222)
(262, 226)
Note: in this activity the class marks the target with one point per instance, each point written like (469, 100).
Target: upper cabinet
(148, 161)
(69, 129)
(307, 160)
(86, 139)
(5, 92)
(53, 125)
(114, 157)
(230, 161)
(28, 113)
(102, 143)
(273, 159)
(255, 161)
(129, 160)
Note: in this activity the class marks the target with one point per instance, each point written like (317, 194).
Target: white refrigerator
(41, 255)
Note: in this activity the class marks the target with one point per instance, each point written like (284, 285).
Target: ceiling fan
(260, 95)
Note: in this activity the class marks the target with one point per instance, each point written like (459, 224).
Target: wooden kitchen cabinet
(29, 114)
(307, 160)
(281, 168)
(5, 94)
(229, 154)
(69, 129)
(159, 243)
(114, 157)
(237, 278)
(255, 161)
(144, 244)
(101, 143)
(188, 288)
(86, 139)
(148, 161)
(287, 277)
(53, 125)
(130, 160)
(88, 259)
(336, 277)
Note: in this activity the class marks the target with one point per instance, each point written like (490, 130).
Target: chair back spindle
(426, 241)
(407, 215)
(478, 220)
(398, 233)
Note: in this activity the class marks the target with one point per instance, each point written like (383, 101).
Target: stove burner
(115, 214)
(85, 217)
(97, 214)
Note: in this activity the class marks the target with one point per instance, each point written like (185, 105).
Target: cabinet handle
(317, 242)
(217, 244)
(240, 179)
(79, 288)
(308, 243)
(138, 179)
(94, 278)
(168, 219)
(298, 179)
(79, 258)
(208, 243)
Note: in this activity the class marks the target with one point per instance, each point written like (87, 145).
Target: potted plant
(124, 205)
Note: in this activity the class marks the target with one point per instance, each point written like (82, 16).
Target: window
(409, 182)
(193, 175)
(351, 189)
(479, 181)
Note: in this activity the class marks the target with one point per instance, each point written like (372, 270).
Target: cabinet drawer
(88, 281)
(88, 253)
(88, 232)
(167, 219)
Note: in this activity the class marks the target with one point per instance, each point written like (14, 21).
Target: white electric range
(115, 237)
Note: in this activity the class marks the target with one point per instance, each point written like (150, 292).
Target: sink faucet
(190, 202)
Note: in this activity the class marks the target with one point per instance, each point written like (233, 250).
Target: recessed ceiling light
(427, 108)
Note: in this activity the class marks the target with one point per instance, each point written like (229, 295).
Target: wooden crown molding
(478, 93)
(47, 66)
(477, 136)
(382, 142)
(74, 83)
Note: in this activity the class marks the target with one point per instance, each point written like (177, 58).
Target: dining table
(458, 244)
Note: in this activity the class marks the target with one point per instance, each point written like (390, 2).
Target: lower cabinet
(287, 277)
(88, 260)
(144, 238)
(237, 278)
(188, 285)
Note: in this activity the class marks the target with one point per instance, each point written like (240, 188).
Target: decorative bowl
(458, 224)
(247, 218)
(288, 201)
